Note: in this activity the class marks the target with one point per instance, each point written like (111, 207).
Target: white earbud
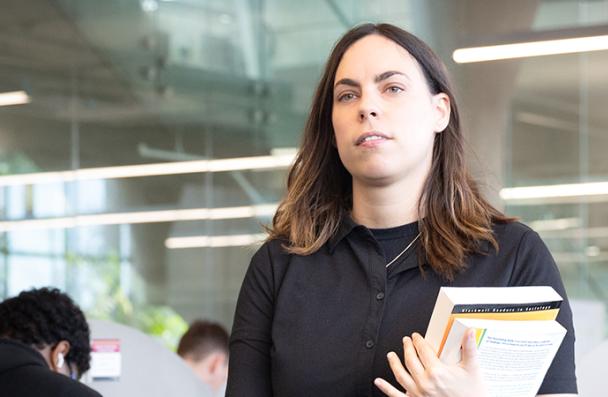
(60, 360)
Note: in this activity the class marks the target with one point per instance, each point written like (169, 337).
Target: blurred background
(146, 142)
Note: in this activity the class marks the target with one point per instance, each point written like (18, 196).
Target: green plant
(109, 301)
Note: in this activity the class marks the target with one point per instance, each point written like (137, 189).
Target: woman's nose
(365, 114)
(368, 108)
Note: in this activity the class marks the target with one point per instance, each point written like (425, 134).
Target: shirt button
(369, 344)
(380, 296)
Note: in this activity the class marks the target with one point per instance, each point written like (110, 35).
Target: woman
(379, 214)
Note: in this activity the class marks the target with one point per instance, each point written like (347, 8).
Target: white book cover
(513, 356)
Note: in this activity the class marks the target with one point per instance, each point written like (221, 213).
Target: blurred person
(44, 346)
(204, 347)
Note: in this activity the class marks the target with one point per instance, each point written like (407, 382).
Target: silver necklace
(404, 250)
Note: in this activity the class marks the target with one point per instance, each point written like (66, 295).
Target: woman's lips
(371, 138)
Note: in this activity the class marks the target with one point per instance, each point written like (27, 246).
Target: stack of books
(516, 333)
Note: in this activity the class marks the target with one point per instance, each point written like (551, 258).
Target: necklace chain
(404, 250)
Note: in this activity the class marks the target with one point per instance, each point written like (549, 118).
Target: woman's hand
(429, 377)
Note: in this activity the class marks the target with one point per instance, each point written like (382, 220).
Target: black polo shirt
(322, 324)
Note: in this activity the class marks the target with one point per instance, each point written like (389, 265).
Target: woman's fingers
(387, 388)
(427, 376)
(469, 351)
(412, 362)
(400, 373)
(427, 355)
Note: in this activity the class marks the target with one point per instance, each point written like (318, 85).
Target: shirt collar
(410, 261)
(346, 226)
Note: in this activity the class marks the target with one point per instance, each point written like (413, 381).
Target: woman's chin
(376, 178)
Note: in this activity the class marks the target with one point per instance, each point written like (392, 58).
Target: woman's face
(384, 115)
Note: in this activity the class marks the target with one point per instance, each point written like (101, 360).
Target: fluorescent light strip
(14, 98)
(156, 169)
(579, 233)
(236, 240)
(543, 225)
(141, 217)
(530, 49)
(574, 257)
(555, 191)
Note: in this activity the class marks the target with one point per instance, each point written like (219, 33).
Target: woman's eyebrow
(387, 74)
(349, 82)
(377, 79)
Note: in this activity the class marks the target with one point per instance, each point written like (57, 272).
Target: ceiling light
(577, 258)
(149, 5)
(543, 225)
(155, 169)
(592, 250)
(547, 122)
(579, 233)
(253, 211)
(14, 98)
(554, 193)
(530, 49)
(234, 240)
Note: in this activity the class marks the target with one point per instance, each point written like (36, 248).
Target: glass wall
(557, 135)
(154, 146)
(157, 135)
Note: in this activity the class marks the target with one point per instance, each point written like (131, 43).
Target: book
(513, 356)
(516, 333)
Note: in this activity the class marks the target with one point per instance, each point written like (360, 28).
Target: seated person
(204, 347)
(44, 341)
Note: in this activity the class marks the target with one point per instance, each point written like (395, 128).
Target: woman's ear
(441, 106)
(57, 357)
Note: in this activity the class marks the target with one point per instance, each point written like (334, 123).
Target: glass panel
(557, 136)
(120, 83)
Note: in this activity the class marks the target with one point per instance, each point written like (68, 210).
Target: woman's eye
(394, 89)
(349, 96)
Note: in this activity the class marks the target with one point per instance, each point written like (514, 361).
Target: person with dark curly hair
(44, 341)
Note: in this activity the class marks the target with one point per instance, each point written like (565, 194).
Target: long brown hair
(454, 217)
